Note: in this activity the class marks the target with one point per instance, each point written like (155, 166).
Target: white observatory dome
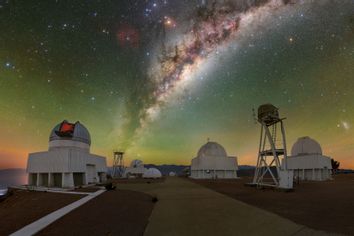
(136, 163)
(212, 149)
(212, 162)
(152, 173)
(70, 131)
(306, 146)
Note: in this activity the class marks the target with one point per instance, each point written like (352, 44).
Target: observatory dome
(136, 163)
(212, 149)
(152, 173)
(305, 146)
(70, 131)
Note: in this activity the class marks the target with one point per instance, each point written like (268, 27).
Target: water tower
(272, 146)
(118, 164)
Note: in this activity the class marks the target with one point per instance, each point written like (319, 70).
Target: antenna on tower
(254, 116)
(118, 164)
(269, 171)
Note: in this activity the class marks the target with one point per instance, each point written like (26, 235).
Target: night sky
(157, 78)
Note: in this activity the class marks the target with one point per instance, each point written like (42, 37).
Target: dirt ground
(87, 189)
(327, 206)
(116, 212)
(138, 181)
(23, 207)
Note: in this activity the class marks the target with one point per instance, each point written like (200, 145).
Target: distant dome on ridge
(212, 149)
(136, 163)
(70, 131)
(306, 145)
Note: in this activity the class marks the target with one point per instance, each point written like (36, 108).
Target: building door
(78, 179)
(33, 179)
(91, 174)
(57, 180)
(43, 179)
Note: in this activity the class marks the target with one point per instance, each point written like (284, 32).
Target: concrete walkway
(43, 222)
(186, 208)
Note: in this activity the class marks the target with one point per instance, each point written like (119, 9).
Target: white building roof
(80, 133)
(152, 173)
(306, 146)
(212, 149)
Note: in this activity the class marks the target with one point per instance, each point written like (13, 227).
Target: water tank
(268, 113)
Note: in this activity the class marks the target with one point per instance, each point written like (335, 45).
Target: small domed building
(136, 169)
(152, 173)
(68, 161)
(212, 162)
(307, 161)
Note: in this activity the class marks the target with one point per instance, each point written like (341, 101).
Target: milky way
(214, 25)
(156, 78)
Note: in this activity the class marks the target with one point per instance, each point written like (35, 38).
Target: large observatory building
(68, 162)
(307, 161)
(212, 162)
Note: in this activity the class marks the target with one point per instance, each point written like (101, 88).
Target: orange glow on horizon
(13, 158)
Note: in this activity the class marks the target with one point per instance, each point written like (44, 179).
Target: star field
(100, 62)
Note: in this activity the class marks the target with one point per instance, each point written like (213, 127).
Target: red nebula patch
(128, 36)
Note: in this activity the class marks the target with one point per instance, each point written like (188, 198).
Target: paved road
(185, 208)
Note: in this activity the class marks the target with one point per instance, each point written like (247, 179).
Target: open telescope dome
(70, 131)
